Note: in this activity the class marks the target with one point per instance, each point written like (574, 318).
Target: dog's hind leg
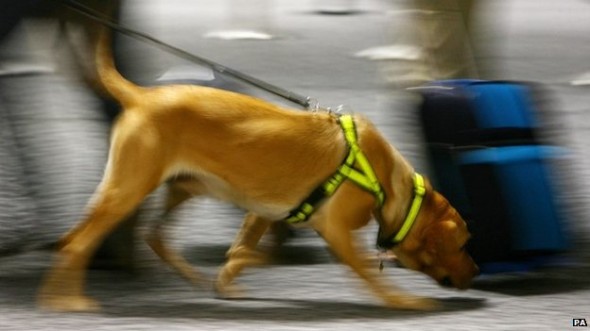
(177, 194)
(242, 254)
(120, 192)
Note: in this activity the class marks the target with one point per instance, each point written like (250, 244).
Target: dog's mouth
(446, 282)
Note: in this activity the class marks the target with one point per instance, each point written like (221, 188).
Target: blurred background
(369, 55)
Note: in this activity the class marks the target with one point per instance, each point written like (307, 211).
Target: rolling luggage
(487, 159)
(472, 112)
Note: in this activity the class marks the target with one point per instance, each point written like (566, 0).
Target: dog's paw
(58, 303)
(229, 291)
(407, 302)
(247, 257)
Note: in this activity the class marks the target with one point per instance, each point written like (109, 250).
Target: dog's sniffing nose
(446, 282)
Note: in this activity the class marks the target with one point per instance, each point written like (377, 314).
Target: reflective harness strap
(365, 177)
(419, 192)
(395, 238)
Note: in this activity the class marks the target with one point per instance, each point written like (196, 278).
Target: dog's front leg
(242, 254)
(342, 245)
(342, 217)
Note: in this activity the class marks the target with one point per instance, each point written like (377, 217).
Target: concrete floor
(540, 41)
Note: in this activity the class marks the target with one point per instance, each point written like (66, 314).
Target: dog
(272, 162)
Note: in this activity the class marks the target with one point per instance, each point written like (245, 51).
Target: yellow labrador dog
(332, 173)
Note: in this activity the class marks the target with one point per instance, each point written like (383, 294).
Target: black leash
(305, 102)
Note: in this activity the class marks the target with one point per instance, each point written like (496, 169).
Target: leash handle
(82, 9)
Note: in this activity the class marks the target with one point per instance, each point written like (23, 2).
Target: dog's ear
(431, 233)
(432, 236)
(412, 244)
(448, 226)
(438, 234)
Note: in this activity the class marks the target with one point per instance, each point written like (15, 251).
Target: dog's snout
(446, 282)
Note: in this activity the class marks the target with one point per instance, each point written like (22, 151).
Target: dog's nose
(446, 282)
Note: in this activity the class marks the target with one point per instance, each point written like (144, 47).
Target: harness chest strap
(365, 177)
(396, 238)
(419, 192)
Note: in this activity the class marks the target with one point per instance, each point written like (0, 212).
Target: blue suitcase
(473, 112)
(486, 157)
(523, 193)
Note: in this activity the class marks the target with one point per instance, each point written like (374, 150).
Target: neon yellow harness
(419, 192)
(365, 178)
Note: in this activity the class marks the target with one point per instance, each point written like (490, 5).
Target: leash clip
(383, 256)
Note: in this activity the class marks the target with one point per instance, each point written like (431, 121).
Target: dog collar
(419, 192)
(364, 177)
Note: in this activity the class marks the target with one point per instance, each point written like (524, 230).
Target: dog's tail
(117, 86)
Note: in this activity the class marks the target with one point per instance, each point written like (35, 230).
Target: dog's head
(436, 245)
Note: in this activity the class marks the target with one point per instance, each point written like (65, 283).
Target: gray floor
(541, 41)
